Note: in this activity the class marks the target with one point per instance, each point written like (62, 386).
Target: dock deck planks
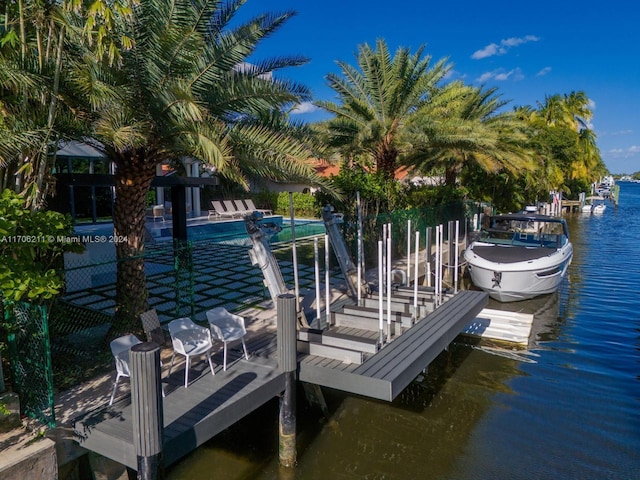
(213, 403)
(192, 415)
(385, 374)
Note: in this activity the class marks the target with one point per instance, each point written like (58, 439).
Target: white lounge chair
(189, 339)
(252, 208)
(231, 208)
(219, 211)
(227, 327)
(241, 208)
(120, 348)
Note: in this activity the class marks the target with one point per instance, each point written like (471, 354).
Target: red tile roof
(326, 169)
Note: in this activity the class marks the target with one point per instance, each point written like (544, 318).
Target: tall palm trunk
(134, 174)
(386, 159)
(451, 175)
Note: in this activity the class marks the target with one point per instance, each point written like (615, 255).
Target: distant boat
(605, 186)
(520, 256)
(594, 205)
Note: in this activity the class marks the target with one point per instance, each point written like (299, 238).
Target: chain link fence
(30, 359)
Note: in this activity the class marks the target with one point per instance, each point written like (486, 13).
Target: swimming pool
(234, 231)
(223, 231)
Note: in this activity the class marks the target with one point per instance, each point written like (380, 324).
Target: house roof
(327, 169)
(79, 149)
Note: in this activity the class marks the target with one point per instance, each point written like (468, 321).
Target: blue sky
(527, 49)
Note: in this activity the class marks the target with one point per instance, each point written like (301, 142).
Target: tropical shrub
(31, 246)
(304, 205)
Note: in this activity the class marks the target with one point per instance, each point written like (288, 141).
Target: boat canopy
(525, 229)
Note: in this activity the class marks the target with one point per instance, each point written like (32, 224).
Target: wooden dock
(385, 374)
(342, 357)
(192, 415)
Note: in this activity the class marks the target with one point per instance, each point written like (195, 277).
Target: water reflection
(425, 426)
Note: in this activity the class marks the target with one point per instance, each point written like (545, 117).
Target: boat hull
(511, 282)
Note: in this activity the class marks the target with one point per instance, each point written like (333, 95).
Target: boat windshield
(524, 232)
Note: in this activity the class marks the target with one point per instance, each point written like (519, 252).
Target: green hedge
(304, 205)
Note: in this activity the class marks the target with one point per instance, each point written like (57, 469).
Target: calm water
(568, 408)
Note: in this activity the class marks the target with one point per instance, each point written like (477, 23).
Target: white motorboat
(594, 205)
(520, 255)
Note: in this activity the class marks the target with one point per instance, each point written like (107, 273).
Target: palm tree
(464, 125)
(182, 86)
(567, 117)
(376, 98)
(572, 110)
(579, 106)
(34, 96)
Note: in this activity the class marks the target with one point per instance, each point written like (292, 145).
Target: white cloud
(624, 152)
(503, 47)
(304, 107)
(543, 72)
(501, 76)
(485, 76)
(488, 51)
(514, 42)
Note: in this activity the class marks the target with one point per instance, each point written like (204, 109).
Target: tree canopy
(376, 98)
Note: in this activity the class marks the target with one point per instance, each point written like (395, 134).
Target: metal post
(427, 259)
(383, 281)
(441, 240)
(146, 407)
(317, 276)
(286, 324)
(451, 253)
(438, 266)
(359, 248)
(294, 250)
(327, 292)
(415, 281)
(380, 294)
(388, 240)
(455, 268)
(408, 252)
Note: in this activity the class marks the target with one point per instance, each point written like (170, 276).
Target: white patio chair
(153, 331)
(152, 328)
(158, 212)
(189, 339)
(227, 327)
(120, 348)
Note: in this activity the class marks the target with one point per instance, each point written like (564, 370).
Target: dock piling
(146, 403)
(287, 352)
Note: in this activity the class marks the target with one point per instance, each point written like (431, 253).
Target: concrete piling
(146, 403)
(287, 353)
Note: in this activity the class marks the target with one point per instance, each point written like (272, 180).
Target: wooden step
(343, 354)
(401, 305)
(338, 339)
